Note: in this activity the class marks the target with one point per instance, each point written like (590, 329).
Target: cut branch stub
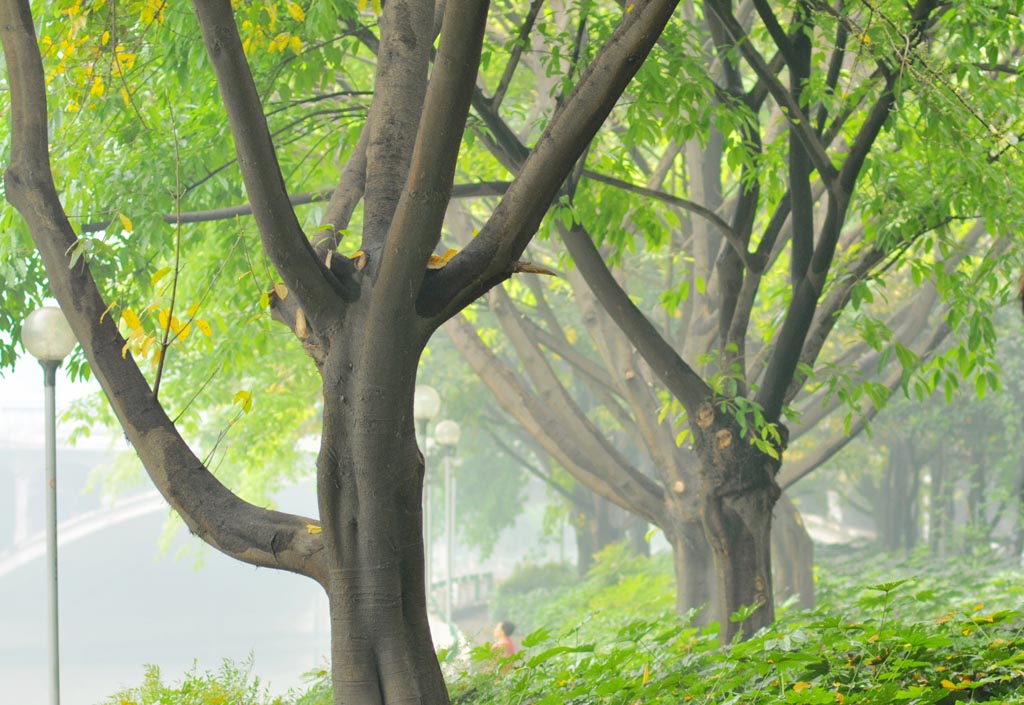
(705, 415)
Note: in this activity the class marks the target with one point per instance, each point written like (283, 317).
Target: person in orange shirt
(503, 644)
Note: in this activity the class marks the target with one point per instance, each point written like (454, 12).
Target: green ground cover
(885, 631)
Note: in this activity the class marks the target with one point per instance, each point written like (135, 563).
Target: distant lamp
(48, 338)
(47, 335)
(426, 403)
(447, 433)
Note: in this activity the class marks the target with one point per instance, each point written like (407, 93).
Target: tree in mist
(803, 171)
(363, 320)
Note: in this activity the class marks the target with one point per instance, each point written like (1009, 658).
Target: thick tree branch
(680, 379)
(318, 291)
(416, 227)
(344, 198)
(606, 459)
(547, 429)
(486, 261)
(403, 59)
(237, 528)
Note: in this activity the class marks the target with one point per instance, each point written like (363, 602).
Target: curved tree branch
(546, 427)
(318, 291)
(488, 259)
(239, 529)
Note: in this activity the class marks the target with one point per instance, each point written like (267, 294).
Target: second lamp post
(447, 434)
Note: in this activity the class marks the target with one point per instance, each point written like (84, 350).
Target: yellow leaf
(193, 309)
(131, 318)
(107, 310)
(126, 98)
(204, 327)
(281, 290)
(126, 223)
(948, 684)
(245, 399)
(97, 87)
(436, 262)
(158, 354)
(124, 350)
(295, 44)
(301, 330)
(158, 275)
(296, 11)
(164, 317)
(647, 674)
(185, 330)
(570, 336)
(314, 529)
(376, 7)
(801, 686)
(105, 39)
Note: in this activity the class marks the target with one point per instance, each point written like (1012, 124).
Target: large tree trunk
(370, 483)
(738, 494)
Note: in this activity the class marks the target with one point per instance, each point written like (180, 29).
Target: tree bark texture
(738, 495)
(370, 484)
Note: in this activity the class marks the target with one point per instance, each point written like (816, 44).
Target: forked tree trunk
(739, 492)
(370, 483)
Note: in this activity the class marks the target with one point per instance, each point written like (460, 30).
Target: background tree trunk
(793, 553)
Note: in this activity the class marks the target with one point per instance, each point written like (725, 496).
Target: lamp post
(447, 434)
(48, 338)
(426, 404)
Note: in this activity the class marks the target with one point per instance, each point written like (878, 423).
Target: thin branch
(517, 53)
(794, 114)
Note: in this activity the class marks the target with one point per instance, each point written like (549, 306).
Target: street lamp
(447, 434)
(48, 338)
(426, 404)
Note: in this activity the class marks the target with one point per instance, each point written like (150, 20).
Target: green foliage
(933, 638)
(911, 631)
(529, 585)
(232, 683)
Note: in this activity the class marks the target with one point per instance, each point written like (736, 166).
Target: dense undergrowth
(909, 632)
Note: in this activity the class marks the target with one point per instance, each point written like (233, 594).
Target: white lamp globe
(426, 402)
(47, 335)
(447, 432)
